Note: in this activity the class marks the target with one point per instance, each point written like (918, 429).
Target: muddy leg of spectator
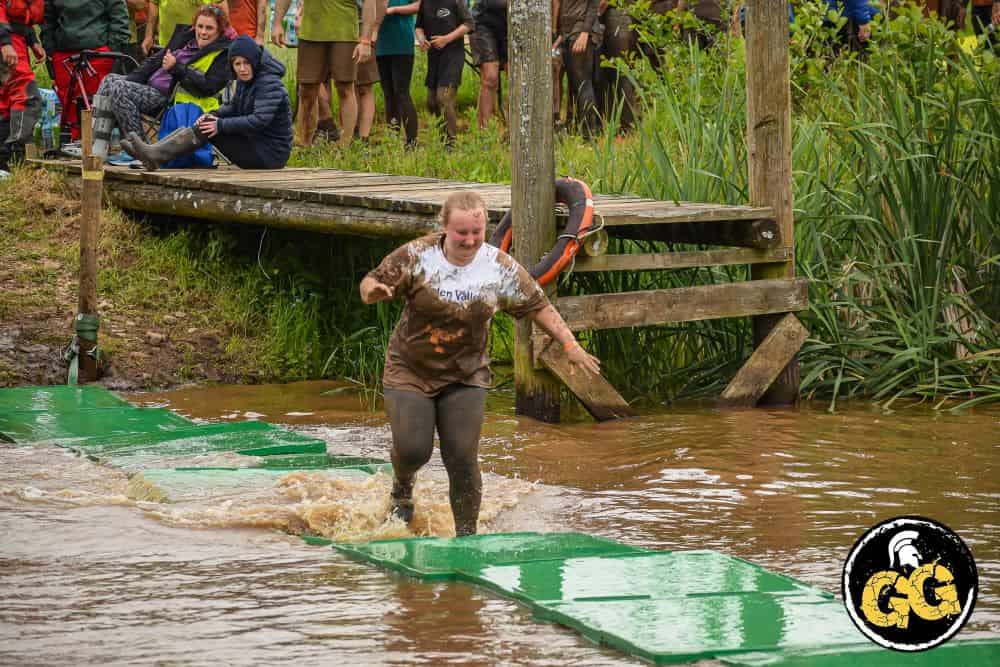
(348, 111)
(489, 81)
(446, 98)
(308, 101)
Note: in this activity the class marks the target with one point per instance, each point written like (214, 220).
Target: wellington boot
(401, 501)
(104, 125)
(179, 142)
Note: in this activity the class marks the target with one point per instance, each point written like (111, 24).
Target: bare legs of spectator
(308, 99)
(366, 108)
(489, 82)
(348, 110)
(441, 102)
(326, 129)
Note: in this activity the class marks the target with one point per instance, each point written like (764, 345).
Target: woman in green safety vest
(192, 68)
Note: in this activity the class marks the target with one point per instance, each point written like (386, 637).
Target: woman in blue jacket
(254, 131)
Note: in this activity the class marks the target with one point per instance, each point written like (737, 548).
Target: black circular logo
(910, 583)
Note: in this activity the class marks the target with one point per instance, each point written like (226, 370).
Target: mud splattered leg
(459, 421)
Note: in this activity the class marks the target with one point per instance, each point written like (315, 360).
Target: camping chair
(79, 67)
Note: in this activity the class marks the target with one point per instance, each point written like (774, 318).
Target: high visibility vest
(207, 104)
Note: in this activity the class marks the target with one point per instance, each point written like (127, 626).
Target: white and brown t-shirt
(442, 336)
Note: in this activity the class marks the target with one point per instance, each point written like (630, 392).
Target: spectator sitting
(163, 17)
(188, 70)
(254, 131)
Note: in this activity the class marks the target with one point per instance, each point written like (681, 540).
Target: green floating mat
(58, 399)
(666, 607)
(695, 627)
(645, 575)
(323, 461)
(66, 428)
(436, 558)
(246, 438)
(178, 485)
(971, 653)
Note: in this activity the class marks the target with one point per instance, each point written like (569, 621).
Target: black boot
(402, 501)
(179, 142)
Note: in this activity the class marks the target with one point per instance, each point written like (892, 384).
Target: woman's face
(243, 68)
(206, 30)
(464, 233)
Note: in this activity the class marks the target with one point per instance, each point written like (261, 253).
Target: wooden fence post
(769, 142)
(90, 233)
(532, 181)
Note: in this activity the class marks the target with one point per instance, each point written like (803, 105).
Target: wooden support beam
(677, 260)
(90, 235)
(765, 364)
(532, 198)
(764, 233)
(769, 146)
(284, 214)
(683, 304)
(596, 394)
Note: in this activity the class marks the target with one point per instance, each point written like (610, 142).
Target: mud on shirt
(442, 335)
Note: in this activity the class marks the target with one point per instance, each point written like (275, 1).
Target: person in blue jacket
(254, 131)
(857, 31)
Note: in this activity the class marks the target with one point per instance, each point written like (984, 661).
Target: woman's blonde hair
(465, 200)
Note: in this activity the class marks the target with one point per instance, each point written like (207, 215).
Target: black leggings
(457, 413)
(580, 72)
(396, 72)
(247, 153)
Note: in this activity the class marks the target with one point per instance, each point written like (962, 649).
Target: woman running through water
(437, 367)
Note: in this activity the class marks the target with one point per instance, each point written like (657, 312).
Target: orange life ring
(576, 195)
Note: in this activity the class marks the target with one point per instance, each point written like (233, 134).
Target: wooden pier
(403, 207)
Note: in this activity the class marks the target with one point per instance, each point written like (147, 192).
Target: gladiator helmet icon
(902, 550)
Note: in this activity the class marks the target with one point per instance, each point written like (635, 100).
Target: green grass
(896, 167)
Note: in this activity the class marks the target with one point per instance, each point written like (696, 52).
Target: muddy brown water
(92, 573)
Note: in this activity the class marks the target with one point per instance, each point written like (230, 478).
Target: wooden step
(680, 260)
(683, 304)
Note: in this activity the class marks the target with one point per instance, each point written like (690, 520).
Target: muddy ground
(148, 343)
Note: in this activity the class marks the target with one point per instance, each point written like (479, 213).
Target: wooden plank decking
(365, 204)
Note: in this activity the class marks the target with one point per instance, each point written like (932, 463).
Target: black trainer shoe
(402, 502)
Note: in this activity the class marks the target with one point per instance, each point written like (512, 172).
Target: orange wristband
(366, 41)
(570, 344)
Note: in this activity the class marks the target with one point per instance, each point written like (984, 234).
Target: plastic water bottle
(49, 117)
(291, 37)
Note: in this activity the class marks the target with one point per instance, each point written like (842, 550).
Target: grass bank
(897, 207)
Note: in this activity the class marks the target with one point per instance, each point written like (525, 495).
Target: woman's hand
(208, 125)
(373, 291)
(38, 52)
(580, 358)
(169, 60)
(580, 43)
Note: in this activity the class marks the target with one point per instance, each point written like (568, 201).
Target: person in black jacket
(192, 68)
(254, 131)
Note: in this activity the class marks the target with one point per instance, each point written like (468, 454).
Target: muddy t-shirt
(442, 335)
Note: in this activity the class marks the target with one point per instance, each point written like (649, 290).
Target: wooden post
(769, 142)
(532, 181)
(90, 226)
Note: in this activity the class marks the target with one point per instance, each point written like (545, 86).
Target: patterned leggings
(130, 100)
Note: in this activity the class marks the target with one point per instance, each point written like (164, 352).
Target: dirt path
(153, 334)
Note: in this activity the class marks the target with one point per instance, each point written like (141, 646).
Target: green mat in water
(437, 558)
(251, 438)
(58, 399)
(66, 428)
